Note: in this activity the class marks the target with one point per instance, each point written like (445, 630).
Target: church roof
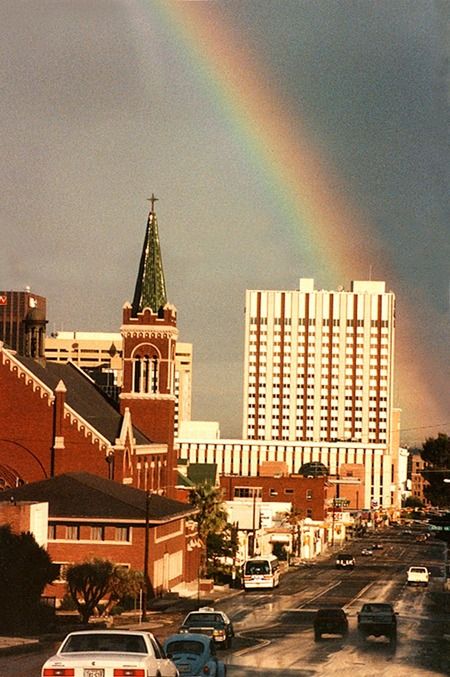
(150, 290)
(84, 397)
(83, 495)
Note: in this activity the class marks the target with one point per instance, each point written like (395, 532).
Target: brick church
(55, 421)
(53, 418)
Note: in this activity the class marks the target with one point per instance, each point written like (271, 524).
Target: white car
(108, 653)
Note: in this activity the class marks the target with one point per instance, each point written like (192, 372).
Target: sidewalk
(163, 618)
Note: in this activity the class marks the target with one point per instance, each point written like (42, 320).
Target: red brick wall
(152, 413)
(17, 516)
(131, 554)
(294, 489)
(26, 434)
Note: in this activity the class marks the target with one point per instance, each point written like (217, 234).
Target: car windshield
(257, 567)
(104, 642)
(204, 620)
(377, 608)
(187, 646)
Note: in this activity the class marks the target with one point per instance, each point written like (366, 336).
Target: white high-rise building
(319, 364)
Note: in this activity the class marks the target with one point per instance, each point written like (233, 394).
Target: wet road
(274, 633)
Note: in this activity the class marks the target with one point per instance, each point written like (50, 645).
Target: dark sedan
(332, 621)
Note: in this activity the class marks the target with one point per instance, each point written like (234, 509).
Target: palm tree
(211, 517)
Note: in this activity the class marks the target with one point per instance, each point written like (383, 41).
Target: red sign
(3, 300)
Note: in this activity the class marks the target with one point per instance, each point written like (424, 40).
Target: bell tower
(149, 335)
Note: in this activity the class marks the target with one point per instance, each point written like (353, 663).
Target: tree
(436, 452)
(124, 583)
(211, 518)
(413, 502)
(25, 569)
(89, 583)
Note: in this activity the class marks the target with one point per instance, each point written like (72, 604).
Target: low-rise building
(79, 517)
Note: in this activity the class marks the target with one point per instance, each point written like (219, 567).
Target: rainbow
(311, 197)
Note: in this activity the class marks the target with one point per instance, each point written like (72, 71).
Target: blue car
(194, 655)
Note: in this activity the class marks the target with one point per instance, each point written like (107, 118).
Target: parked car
(194, 655)
(331, 621)
(367, 552)
(345, 561)
(377, 619)
(109, 653)
(211, 622)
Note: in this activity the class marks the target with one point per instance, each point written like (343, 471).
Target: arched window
(145, 373)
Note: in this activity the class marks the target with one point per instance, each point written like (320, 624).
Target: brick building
(23, 321)
(54, 419)
(308, 495)
(80, 516)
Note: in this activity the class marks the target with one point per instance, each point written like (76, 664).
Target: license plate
(93, 672)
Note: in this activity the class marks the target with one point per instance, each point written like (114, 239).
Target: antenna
(370, 272)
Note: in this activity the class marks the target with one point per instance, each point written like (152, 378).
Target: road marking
(322, 592)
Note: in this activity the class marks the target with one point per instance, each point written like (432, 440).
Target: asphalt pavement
(163, 619)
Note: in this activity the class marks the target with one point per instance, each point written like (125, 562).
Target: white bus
(261, 571)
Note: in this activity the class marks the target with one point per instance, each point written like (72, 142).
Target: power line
(423, 427)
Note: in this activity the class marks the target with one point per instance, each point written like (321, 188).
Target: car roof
(332, 611)
(142, 633)
(192, 636)
(208, 612)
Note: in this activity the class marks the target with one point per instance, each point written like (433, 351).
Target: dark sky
(104, 102)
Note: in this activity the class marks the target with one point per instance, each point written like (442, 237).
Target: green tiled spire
(150, 291)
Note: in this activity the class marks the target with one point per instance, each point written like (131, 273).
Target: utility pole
(146, 588)
(253, 523)
(335, 502)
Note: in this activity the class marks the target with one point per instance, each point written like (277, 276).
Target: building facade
(319, 364)
(23, 322)
(246, 457)
(100, 354)
(80, 516)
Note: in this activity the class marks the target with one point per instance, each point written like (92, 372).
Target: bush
(117, 610)
(67, 604)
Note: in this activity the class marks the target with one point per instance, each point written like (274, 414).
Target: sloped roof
(83, 495)
(84, 397)
(202, 473)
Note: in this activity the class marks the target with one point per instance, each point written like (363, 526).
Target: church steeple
(149, 338)
(150, 290)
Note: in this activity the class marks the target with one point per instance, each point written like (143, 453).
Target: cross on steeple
(152, 199)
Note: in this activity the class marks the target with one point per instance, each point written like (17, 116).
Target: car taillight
(129, 672)
(58, 672)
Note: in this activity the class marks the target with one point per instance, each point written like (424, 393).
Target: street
(274, 634)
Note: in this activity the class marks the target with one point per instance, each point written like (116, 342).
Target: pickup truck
(377, 619)
(418, 576)
(345, 561)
